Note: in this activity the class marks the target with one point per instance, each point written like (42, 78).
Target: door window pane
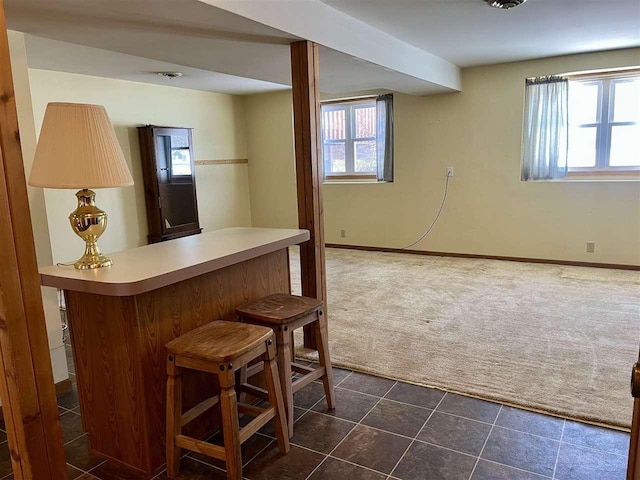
(179, 141)
(180, 162)
(625, 146)
(582, 147)
(583, 103)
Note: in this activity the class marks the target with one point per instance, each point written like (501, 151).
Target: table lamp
(78, 148)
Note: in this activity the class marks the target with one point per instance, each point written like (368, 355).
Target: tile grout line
(555, 465)
(517, 468)
(307, 410)
(485, 444)
(341, 459)
(415, 437)
(585, 447)
(352, 429)
(259, 452)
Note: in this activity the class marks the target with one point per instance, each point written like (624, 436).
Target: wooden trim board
(230, 161)
(26, 376)
(486, 257)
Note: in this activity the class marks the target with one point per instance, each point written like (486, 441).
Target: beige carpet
(551, 338)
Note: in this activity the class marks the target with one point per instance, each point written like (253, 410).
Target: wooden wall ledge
(230, 161)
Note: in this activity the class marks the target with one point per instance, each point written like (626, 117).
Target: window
(604, 123)
(357, 139)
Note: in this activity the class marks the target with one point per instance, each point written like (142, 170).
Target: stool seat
(219, 341)
(280, 308)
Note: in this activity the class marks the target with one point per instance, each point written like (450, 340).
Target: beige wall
(489, 210)
(219, 133)
(272, 174)
(37, 206)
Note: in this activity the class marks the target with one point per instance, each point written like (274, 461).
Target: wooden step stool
(285, 313)
(222, 348)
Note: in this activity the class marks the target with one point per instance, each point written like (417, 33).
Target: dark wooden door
(633, 472)
(170, 182)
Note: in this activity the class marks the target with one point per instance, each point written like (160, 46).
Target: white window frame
(604, 121)
(349, 140)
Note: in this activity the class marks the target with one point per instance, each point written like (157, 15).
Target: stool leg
(284, 369)
(174, 416)
(275, 397)
(230, 425)
(242, 397)
(320, 327)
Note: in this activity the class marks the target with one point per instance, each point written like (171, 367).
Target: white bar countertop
(150, 267)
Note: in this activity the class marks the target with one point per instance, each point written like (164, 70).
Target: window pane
(333, 123)
(334, 158)
(627, 101)
(365, 122)
(582, 147)
(625, 146)
(583, 103)
(365, 161)
(179, 141)
(180, 162)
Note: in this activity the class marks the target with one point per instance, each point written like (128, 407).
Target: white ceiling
(195, 34)
(468, 32)
(48, 54)
(242, 46)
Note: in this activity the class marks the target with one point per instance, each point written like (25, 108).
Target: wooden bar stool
(284, 313)
(222, 348)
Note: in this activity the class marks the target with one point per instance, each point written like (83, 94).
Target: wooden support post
(26, 378)
(306, 126)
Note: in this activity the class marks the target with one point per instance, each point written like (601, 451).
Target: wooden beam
(26, 378)
(306, 126)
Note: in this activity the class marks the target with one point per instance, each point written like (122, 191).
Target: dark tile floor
(382, 430)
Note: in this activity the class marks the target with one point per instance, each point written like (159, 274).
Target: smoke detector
(504, 4)
(170, 75)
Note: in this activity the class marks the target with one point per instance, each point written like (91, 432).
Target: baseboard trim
(64, 386)
(486, 257)
(61, 387)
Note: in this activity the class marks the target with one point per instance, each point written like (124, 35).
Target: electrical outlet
(449, 171)
(591, 247)
(343, 233)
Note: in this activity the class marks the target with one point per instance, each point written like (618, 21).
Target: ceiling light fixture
(170, 75)
(504, 4)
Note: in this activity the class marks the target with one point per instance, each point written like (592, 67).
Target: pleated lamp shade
(78, 149)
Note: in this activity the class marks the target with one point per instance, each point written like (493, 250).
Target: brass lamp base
(89, 222)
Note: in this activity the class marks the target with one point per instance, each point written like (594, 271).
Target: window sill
(603, 175)
(350, 179)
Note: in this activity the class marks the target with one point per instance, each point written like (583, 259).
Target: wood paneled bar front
(121, 317)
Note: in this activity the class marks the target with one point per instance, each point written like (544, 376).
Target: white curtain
(546, 129)
(384, 137)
